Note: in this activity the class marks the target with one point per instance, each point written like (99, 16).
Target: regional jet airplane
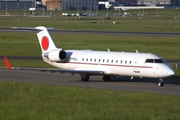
(108, 64)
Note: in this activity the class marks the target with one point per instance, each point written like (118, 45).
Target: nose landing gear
(161, 83)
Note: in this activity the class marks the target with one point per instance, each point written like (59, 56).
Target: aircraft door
(136, 66)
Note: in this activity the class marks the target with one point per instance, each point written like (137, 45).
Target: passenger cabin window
(94, 60)
(91, 60)
(107, 61)
(87, 59)
(116, 61)
(82, 59)
(99, 60)
(111, 61)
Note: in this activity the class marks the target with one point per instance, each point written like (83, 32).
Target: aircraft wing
(53, 70)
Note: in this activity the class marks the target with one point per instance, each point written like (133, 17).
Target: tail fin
(8, 65)
(45, 40)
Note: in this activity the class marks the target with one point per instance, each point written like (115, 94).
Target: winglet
(7, 63)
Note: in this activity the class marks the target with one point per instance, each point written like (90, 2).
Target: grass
(34, 101)
(26, 44)
(121, 25)
(167, 21)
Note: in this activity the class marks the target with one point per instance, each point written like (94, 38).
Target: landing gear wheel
(85, 78)
(161, 83)
(106, 78)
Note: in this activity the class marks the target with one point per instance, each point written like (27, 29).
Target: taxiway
(172, 87)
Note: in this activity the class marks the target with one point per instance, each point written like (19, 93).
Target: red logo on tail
(45, 43)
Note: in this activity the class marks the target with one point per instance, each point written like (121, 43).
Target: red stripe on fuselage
(110, 65)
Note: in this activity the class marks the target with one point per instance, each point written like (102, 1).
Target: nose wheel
(161, 83)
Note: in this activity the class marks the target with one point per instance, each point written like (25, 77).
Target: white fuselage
(115, 63)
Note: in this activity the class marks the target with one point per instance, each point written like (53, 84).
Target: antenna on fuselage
(108, 50)
(137, 51)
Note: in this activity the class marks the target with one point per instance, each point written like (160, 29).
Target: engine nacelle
(56, 55)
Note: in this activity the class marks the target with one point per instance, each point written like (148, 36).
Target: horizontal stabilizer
(23, 29)
(32, 29)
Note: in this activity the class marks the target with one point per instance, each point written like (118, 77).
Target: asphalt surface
(171, 87)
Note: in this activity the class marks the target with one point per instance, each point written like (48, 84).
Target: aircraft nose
(171, 72)
(166, 72)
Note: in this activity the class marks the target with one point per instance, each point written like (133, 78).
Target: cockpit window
(154, 61)
(149, 60)
(158, 61)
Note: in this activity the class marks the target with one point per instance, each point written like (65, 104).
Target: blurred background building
(77, 4)
(52, 4)
(17, 4)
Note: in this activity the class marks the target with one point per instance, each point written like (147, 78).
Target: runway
(172, 87)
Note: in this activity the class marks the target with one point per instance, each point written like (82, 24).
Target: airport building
(147, 2)
(17, 4)
(70, 4)
(52, 4)
(127, 2)
(79, 4)
(75, 4)
(49, 4)
(154, 2)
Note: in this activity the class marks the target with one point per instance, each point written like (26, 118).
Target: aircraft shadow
(137, 80)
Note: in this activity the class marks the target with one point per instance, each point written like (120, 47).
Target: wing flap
(53, 70)
(86, 71)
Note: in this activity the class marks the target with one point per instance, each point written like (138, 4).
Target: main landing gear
(106, 78)
(161, 83)
(84, 77)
